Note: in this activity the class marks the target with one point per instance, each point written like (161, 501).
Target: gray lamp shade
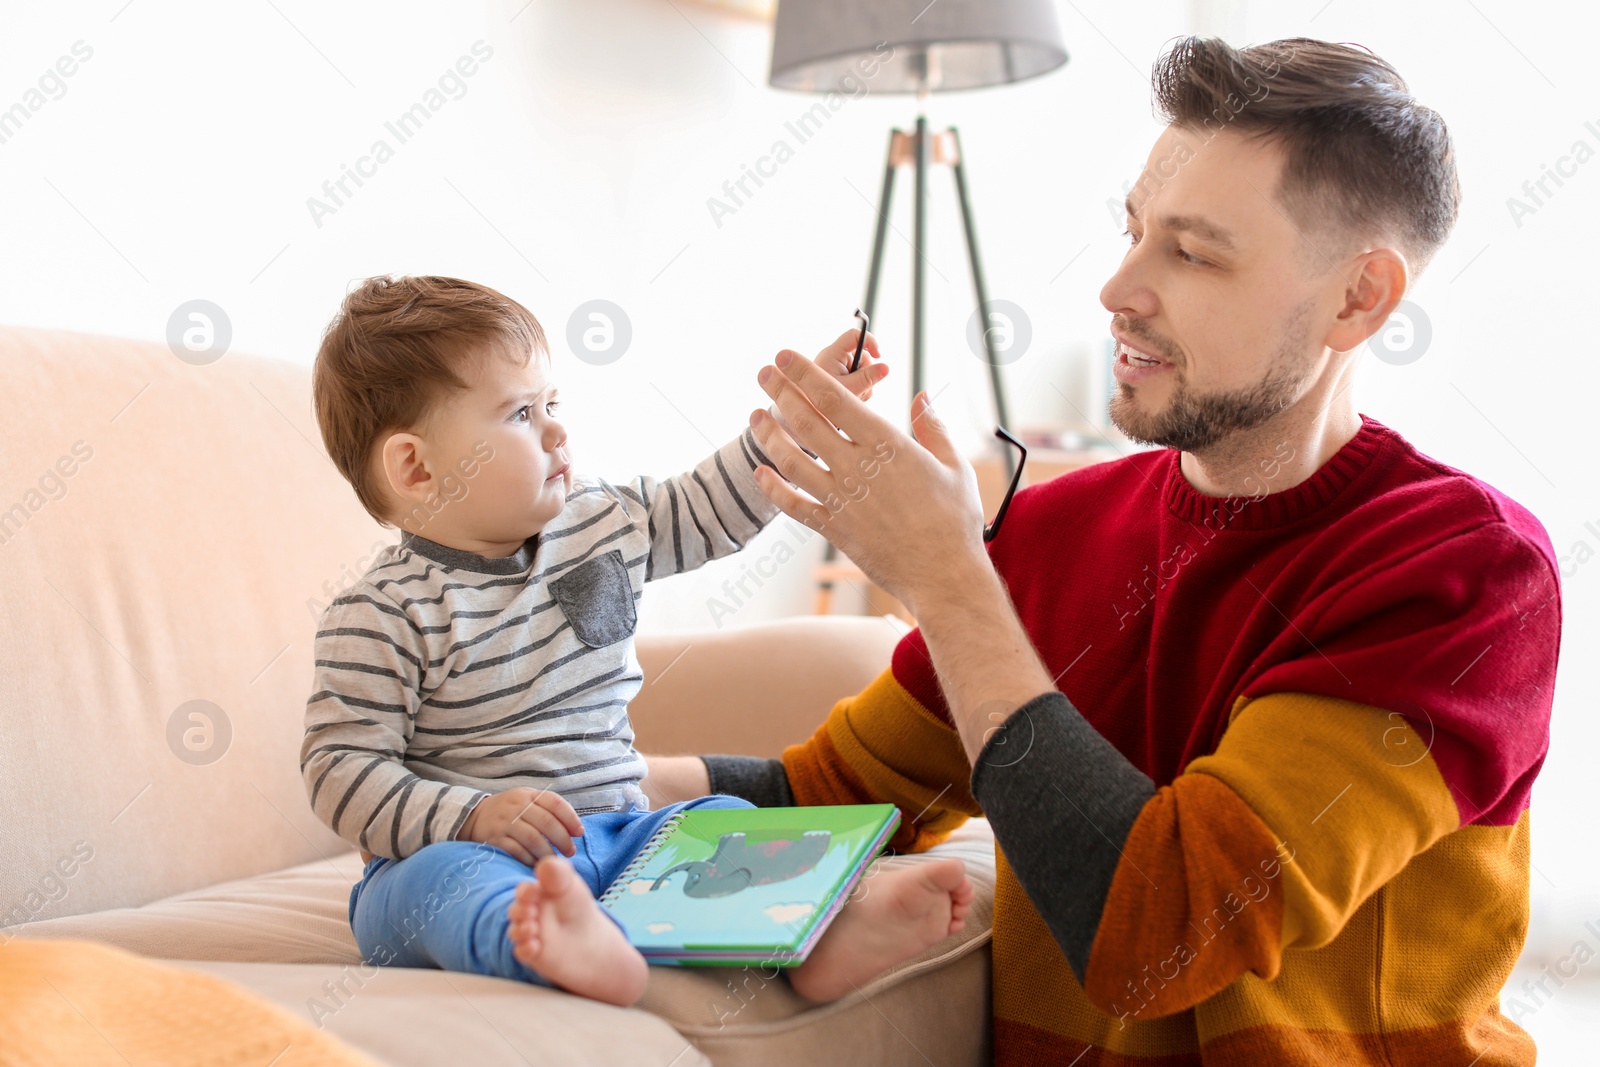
(821, 45)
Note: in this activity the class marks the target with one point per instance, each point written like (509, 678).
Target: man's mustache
(1137, 328)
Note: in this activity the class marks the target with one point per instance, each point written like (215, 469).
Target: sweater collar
(1278, 509)
(459, 559)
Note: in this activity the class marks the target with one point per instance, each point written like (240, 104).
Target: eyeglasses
(860, 340)
(991, 531)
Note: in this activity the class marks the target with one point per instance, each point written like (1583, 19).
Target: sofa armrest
(754, 690)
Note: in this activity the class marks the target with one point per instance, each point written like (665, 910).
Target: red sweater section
(1386, 578)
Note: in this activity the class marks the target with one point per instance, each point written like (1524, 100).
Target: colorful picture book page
(746, 881)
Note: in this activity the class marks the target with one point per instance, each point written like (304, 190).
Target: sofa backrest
(167, 535)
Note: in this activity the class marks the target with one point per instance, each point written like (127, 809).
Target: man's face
(1221, 304)
(507, 415)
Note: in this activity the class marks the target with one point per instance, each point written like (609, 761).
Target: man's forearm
(986, 664)
(675, 778)
(1061, 798)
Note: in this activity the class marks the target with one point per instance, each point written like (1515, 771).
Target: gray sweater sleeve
(1061, 800)
(763, 782)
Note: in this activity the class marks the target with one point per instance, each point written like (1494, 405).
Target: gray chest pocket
(597, 599)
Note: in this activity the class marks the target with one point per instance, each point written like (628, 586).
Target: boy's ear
(405, 467)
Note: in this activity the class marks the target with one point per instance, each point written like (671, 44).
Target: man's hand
(905, 511)
(908, 513)
(528, 823)
(835, 361)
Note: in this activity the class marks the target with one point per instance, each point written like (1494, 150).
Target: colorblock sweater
(1277, 809)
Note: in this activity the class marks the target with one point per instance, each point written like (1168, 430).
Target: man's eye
(1187, 258)
(1132, 237)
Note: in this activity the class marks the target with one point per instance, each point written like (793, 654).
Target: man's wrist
(964, 582)
(985, 660)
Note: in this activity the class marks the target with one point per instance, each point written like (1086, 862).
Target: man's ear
(1377, 283)
(405, 467)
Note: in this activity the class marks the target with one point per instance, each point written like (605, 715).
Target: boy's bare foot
(903, 911)
(557, 930)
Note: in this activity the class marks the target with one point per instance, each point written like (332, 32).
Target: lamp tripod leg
(991, 357)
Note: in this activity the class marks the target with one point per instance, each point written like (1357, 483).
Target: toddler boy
(468, 725)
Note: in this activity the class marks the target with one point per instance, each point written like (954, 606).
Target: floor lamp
(827, 46)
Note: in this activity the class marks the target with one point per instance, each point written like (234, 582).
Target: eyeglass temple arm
(860, 340)
(993, 529)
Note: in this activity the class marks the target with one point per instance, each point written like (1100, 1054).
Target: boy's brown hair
(1359, 150)
(396, 346)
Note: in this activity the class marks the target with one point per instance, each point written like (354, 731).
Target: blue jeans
(445, 905)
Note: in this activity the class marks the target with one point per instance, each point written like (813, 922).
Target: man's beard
(1195, 422)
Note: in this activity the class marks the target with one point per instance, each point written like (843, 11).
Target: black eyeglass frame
(991, 531)
(861, 340)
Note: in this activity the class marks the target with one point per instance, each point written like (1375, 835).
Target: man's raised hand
(905, 510)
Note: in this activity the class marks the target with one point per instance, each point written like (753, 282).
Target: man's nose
(1127, 291)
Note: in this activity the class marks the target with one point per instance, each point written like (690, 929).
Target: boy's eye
(525, 412)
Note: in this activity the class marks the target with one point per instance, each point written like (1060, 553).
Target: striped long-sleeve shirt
(443, 676)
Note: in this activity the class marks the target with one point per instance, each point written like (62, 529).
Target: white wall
(578, 164)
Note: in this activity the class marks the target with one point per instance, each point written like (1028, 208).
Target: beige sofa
(167, 532)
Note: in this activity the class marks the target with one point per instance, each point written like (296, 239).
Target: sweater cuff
(763, 782)
(1061, 800)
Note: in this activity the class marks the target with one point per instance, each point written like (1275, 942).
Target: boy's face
(498, 457)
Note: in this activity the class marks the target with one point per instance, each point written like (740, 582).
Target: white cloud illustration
(788, 913)
(659, 928)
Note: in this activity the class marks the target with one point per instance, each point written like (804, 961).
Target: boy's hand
(835, 359)
(528, 823)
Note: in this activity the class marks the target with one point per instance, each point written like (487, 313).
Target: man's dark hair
(1359, 150)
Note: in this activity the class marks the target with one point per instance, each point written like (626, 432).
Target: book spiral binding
(646, 854)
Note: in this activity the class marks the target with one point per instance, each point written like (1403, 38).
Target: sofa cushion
(936, 1003)
(414, 1018)
(166, 534)
(298, 915)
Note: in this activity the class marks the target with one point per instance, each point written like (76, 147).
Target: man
(1255, 717)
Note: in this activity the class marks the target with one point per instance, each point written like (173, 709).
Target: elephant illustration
(736, 865)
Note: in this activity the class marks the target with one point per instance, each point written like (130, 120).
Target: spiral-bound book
(732, 886)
